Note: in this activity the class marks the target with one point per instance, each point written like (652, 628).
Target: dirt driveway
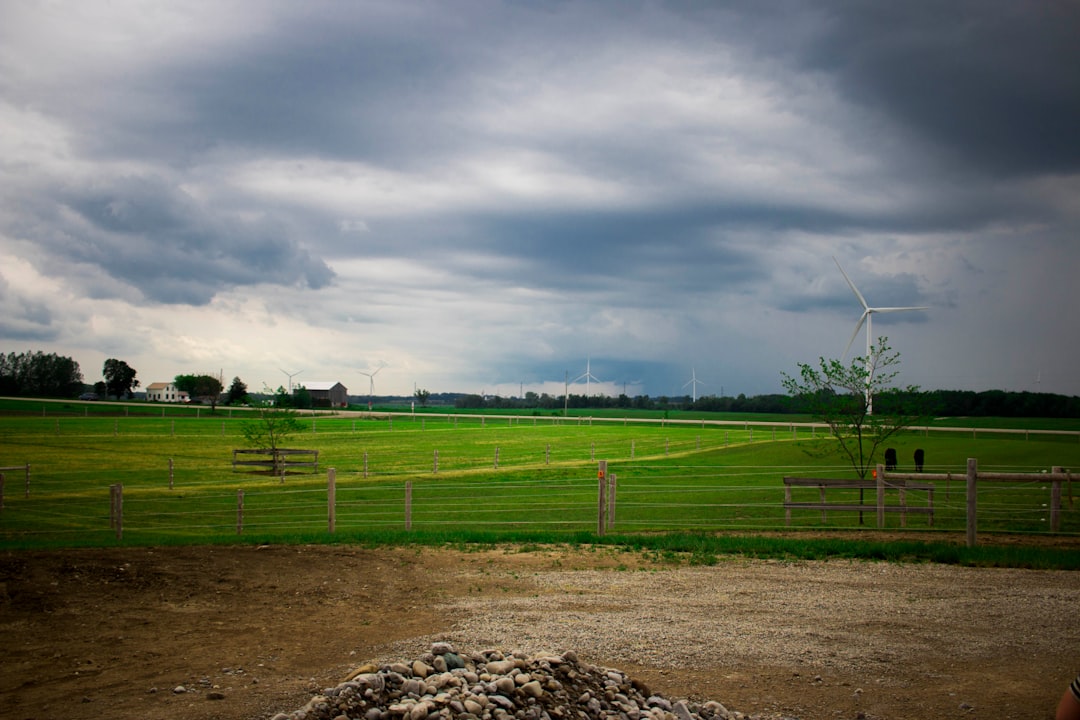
(248, 631)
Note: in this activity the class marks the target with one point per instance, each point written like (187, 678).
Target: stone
(510, 686)
(532, 689)
(500, 667)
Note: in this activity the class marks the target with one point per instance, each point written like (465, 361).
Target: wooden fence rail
(887, 480)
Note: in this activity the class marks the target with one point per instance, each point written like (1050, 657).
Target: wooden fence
(887, 480)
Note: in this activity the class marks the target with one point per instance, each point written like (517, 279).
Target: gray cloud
(151, 235)
(483, 191)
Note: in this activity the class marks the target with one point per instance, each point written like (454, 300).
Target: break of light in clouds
(479, 196)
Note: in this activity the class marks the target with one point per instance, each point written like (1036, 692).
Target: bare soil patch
(251, 631)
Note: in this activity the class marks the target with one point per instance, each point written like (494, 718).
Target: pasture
(496, 476)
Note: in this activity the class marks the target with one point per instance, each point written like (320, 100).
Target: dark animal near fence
(919, 456)
(890, 458)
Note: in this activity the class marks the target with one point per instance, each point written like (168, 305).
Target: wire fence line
(702, 498)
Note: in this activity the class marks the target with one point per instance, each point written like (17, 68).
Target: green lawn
(467, 474)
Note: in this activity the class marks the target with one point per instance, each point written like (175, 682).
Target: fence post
(592, 451)
(631, 449)
(239, 512)
(118, 505)
(496, 457)
(787, 503)
(1055, 500)
(1, 491)
(547, 454)
(365, 463)
(972, 503)
(171, 471)
(612, 484)
(880, 474)
(28, 482)
(331, 500)
(408, 505)
(601, 521)
(435, 463)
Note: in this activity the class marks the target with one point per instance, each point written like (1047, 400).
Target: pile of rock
(489, 685)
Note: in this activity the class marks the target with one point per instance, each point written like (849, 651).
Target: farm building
(327, 394)
(165, 392)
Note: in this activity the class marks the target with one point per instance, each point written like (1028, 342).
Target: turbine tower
(587, 375)
(291, 376)
(868, 318)
(371, 385)
(694, 382)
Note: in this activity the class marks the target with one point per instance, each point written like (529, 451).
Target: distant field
(478, 473)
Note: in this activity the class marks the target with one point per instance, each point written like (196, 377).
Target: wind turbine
(587, 375)
(868, 318)
(694, 382)
(371, 385)
(291, 376)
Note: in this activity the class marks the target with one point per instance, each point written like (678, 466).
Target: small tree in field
(269, 428)
(841, 396)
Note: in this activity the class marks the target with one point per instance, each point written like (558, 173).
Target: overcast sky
(485, 196)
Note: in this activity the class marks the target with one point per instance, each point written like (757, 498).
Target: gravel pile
(490, 685)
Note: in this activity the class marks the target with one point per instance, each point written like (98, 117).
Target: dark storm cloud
(993, 83)
(151, 235)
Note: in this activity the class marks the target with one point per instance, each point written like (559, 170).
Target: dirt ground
(250, 631)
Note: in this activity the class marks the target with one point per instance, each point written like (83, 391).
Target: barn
(327, 394)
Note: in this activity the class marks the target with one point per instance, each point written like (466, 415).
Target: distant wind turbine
(694, 382)
(587, 375)
(371, 385)
(868, 318)
(291, 376)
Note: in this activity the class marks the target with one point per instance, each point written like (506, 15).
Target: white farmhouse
(165, 392)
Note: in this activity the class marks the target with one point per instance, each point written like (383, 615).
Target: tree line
(953, 403)
(39, 374)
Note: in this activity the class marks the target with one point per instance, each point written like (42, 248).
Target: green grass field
(489, 476)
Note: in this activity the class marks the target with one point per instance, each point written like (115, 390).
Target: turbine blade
(858, 327)
(896, 309)
(852, 285)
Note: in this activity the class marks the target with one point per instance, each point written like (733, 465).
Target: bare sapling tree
(841, 396)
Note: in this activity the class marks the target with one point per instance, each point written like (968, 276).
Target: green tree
(841, 397)
(301, 398)
(205, 388)
(423, 396)
(119, 378)
(39, 374)
(238, 392)
(270, 427)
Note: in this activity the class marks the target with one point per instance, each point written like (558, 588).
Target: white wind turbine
(291, 376)
(371, 385)
(868, 318)
(587, 375)
(694, 382)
